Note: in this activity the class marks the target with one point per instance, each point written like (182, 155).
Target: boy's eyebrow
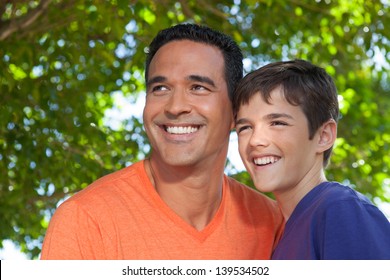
(241, 121)
(277, 116)
(266, 117)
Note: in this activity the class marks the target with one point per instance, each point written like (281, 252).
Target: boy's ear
(327, 135)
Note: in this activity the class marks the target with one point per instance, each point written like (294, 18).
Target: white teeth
(265, 160)
(181, 129)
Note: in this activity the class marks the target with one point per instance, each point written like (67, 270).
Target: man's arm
(72, 234)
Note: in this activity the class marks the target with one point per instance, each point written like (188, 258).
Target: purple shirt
(335, 222)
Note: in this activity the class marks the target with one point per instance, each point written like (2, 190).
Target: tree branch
(11, 26)
(211, 8)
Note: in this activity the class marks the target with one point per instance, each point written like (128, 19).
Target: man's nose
(178, 103)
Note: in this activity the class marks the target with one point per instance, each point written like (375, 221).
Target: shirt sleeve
(72, 235)
(354, 230)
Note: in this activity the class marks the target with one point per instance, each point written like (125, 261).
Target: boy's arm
(355, 231)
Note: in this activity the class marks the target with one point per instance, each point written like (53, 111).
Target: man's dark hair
(303, 84)
(202, 34)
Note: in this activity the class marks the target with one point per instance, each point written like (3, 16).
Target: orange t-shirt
(121, 216)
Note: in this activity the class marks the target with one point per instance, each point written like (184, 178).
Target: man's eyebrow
(157, 79)
(196, 78)
(201, 79)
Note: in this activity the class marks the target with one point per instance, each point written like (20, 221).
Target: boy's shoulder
(330, 195)
(338, 192)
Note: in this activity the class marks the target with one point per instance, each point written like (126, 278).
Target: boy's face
(274, 144)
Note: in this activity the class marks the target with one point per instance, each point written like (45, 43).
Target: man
(177, 204)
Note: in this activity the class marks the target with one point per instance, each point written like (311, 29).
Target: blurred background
(72, 91)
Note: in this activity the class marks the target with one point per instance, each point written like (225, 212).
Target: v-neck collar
(201, 235)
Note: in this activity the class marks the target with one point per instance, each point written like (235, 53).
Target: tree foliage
(61, 63)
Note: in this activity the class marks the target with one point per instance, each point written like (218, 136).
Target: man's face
(187, 115)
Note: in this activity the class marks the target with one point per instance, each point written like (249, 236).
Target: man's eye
(159, 88)
(200, 90)
(198, 87)
(278, 123)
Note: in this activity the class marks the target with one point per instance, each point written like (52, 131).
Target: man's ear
(232, 123)
(327, 135)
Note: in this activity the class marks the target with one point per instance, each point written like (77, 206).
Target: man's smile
(181, 129)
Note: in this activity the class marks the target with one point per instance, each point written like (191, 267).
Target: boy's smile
(274, 145)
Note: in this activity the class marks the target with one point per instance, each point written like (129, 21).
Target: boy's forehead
(259, 101)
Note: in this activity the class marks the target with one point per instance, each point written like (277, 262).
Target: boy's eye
(242, 128)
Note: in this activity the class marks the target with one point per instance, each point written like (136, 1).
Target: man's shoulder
(241, 190)
(107, 183)
(126, 172)
(250, 201)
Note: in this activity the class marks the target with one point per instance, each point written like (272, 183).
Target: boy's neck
(288, 200)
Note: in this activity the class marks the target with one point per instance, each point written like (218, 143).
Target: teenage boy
(286, 117)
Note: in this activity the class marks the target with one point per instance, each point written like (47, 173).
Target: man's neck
(194, 194)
